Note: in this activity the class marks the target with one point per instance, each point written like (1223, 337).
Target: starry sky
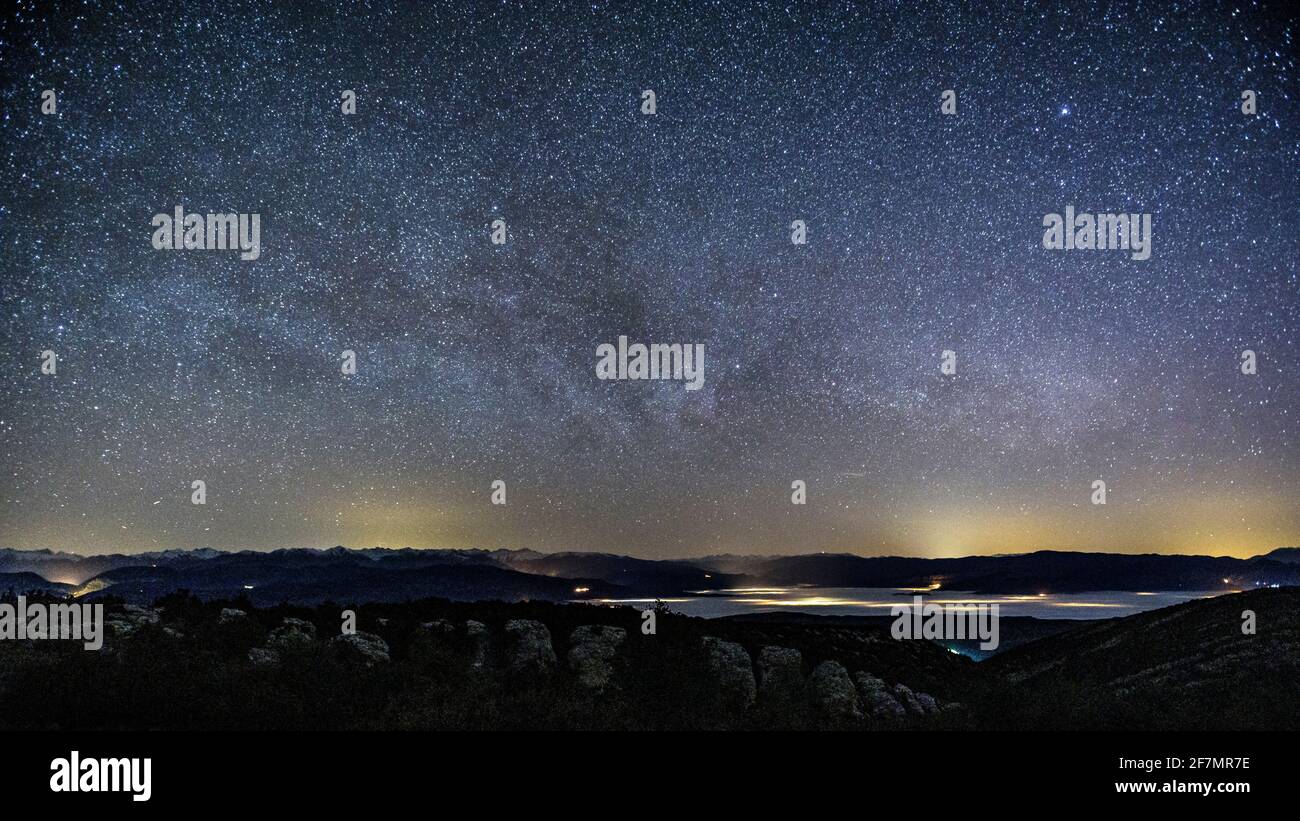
(476, 362)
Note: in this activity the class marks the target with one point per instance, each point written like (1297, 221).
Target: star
(476, 361)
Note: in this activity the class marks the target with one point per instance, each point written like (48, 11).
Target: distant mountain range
(309, 576)
(1039, 572)
(1290, 555)
(29, 582)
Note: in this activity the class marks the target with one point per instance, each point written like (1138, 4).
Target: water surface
(876, 601)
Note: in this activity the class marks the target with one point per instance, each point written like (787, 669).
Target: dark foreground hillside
(1189, 666)
(434, 664)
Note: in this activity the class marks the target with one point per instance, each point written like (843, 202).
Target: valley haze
(310, 576)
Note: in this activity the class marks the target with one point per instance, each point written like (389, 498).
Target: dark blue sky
(477, 362)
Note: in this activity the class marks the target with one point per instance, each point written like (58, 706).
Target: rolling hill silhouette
(305, 576)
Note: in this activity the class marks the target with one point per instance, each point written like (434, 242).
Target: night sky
(476, 362)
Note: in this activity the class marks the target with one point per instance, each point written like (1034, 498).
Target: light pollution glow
(476, 361)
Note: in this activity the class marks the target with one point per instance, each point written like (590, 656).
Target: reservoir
(876, 601)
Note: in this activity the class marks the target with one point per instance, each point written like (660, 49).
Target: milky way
(476, 362)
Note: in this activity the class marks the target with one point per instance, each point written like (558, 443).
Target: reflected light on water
(742, 591)
(816, 601)
(879, 601)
